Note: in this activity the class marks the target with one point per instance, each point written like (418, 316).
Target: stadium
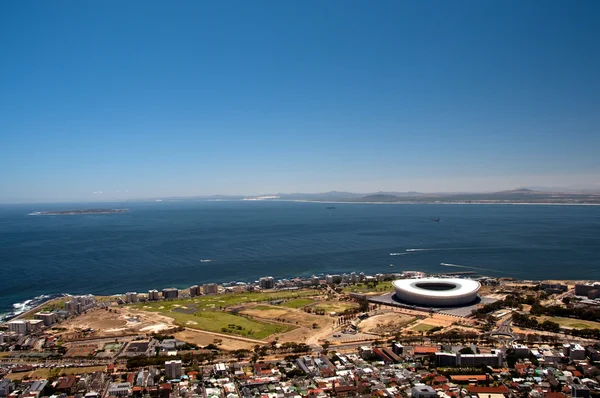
(437, 292)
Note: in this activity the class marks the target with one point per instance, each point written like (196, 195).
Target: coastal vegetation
(369, 287)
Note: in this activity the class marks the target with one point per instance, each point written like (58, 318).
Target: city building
(34, 325)
(332, 279)
(266, 283)
(580, 391)
(119, 389)
(170, 293)
(131, 297)
(210, 288)
(79, 304)
(423, 391)
(173, 369)
(495, 359)
(582, 289)
(49, 318)
(153, 295)
(18, 327)
(195, 291)
(552, 287)
(575, 352)
(520, 350)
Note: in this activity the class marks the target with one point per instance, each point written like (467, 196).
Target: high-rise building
(170, 293)
(195, 291)
(33, 325)
(49, 318)
(18, 327)
(173, 369)
(268, 282)
(131, 297)
(210, 288)
(153, 295)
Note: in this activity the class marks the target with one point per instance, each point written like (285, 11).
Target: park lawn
(570, 322)
(45, 373)
(423, 327)
(297, 303)
(226, 300)
(382, 287)
(334, 306)
(225, 322)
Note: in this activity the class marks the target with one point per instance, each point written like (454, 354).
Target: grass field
(334, 306)
(382, 287)
(298, 303)
(45, 373)
(227, 300)
(423, 327)
(208, 312)
(571, 323)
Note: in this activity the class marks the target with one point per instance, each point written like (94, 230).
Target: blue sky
(146, 98)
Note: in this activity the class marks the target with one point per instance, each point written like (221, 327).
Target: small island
(78, 211)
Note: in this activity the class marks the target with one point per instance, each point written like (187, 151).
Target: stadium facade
(437, 292)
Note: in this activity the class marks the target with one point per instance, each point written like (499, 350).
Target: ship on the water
(77, 212)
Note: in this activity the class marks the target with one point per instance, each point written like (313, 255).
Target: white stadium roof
(437, 291)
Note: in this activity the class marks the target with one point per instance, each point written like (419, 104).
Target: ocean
(182, 243)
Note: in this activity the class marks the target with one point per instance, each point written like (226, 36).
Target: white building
(131, 297)
(18, 327)
(173, 369)
(153, 295)
(119, 389)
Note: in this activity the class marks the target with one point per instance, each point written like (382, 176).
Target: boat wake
(451, 249)
(206, 261)
(470, 267)
(398, 254)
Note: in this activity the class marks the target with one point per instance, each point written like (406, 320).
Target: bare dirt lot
(385, 324)
(100, 323)
(305, 322)
(204, 338)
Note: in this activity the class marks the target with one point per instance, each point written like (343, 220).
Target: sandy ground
(290, 315)
(385, 323)
(112, 324)
(204, 338)
(304, 322)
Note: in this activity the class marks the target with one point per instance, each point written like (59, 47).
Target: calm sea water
(162, 244)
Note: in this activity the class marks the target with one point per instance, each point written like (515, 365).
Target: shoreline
(432, 203)
(59, 296)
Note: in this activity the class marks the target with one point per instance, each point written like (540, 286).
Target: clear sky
(145, 98)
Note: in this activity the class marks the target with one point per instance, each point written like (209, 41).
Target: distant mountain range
(521, 195)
